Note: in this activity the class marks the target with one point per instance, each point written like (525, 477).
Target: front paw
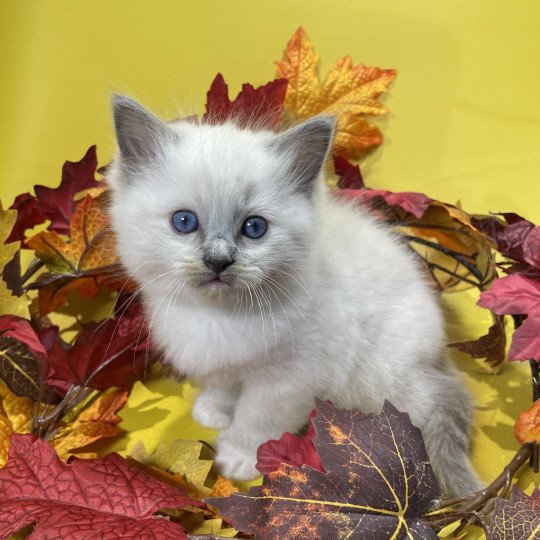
(210, 412)
(234, 461)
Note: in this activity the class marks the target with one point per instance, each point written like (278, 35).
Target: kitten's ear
(306, 148)
(139, 133)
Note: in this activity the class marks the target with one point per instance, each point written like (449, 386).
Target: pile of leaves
(351, 474)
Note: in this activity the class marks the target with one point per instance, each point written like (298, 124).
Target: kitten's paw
(235, 462)
(211, 413)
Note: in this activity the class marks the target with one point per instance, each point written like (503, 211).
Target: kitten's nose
(218, 264)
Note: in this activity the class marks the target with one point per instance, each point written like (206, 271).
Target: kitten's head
(210, 210)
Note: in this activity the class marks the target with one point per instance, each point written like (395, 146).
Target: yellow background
(464, 122)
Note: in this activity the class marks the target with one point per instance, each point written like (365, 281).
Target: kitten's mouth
(217, 283)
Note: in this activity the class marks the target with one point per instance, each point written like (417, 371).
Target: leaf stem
(35, 265)
(473, 508)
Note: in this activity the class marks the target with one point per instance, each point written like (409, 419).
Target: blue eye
(254, 227)
(184, 222)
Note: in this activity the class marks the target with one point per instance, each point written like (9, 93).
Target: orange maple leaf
(84, 262)
(527, 427)
(349, 92)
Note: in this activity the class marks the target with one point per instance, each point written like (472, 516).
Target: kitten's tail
(447, 435)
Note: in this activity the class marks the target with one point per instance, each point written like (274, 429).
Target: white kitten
(270, 291)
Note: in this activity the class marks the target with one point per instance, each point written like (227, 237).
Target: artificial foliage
(351, 474)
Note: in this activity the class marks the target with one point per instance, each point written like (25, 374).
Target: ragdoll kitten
(269, 291)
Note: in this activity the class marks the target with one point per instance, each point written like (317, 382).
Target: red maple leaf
(517, 295)
(258, 107)
(111, 353)
(293, 449)
(58, 204)
(28, 216)
(105, 498)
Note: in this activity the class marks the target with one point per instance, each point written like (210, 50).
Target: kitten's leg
(447, 435)
(214, 406)
(260, 415)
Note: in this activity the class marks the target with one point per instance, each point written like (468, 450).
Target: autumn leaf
(293, 449)
(349, 175)
(518, 518)
(378, 483)
(491, 346)
(259, 107)
(28, 216)
(455, 253)
(21, 357)
(86, 497)
(184, 464)
(84, 262)
(15, 417)
(179, 457)
(516, 294)
(9, 303)
(527, 426)
(111, 353)
(348, 92)
(516, 239)
(94, 422)
(58, 204)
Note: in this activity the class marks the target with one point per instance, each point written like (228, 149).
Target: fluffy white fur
(327, 303)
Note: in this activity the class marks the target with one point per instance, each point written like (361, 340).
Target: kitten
(268, 290)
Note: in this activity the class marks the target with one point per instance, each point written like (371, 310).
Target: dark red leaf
(28, 216)
(292, 449)
(350, 176)
(253, 107)
(518, 518)
(85, 498)
(378, 483)
(111, 353)
(58, 204)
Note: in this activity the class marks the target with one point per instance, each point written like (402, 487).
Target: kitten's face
(212, 211)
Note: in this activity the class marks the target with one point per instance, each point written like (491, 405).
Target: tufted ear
(305, 147)
(140, 134)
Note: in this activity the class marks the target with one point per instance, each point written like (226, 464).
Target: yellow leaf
(349, 93)
(179, 463)
(178, 457)
(93, 423)
(15, 417)
(9, 304)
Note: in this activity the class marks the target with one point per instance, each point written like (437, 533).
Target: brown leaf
(378, 483)
(518, 518)
(491, 346)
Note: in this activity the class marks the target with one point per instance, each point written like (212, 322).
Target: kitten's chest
(198, 340)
